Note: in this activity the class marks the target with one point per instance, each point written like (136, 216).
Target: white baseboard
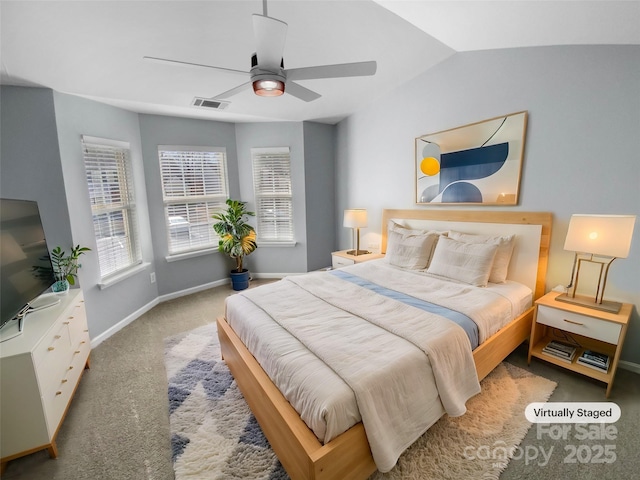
(126, 321)
(145, 308)
(189, 291)
(632, 367)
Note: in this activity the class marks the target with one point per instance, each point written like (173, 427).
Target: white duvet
(341, 353)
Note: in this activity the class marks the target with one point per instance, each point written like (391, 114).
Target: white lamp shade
(607, 235)
(355, 218)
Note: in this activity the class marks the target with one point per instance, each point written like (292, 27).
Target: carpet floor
(117, 426)
(215, 436)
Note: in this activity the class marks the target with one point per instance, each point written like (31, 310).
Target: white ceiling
(95, 48)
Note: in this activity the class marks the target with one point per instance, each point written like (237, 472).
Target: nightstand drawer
(582, 325)
(337, 262)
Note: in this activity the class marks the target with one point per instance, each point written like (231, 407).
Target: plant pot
(61, 287)
(240, 280)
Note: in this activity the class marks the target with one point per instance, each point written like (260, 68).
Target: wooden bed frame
(348, 455)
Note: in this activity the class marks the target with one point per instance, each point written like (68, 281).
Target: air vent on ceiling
(209, 103)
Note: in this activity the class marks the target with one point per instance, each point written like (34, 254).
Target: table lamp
(356, 218)
(598, 239)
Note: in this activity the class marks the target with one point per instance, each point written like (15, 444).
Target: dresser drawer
(77, 323)
(582, 325)
(59, 389)
(57, 396)
(56, 339)
(337, 262)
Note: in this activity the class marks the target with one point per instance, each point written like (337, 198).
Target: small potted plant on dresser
(237, 239)
(65, 267)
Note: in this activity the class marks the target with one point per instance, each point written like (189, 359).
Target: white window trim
(190, 254)
(114, 277)
(122, 275)
(205, 249)
(283, 243)
(272, 242)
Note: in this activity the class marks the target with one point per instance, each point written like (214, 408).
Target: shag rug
(215, 436)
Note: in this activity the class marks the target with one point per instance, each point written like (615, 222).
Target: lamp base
(358, 252)
(605, 306)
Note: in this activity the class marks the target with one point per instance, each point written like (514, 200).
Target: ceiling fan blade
(234, 91)
(271, 35)
(300, 92)
(357, 69)
(167, 61)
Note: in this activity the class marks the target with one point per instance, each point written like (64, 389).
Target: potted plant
(65, 267)
(237, 239)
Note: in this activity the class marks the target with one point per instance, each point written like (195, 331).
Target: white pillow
(503, 254)
(409, 249)
(466, 262)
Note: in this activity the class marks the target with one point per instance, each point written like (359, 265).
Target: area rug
(215, 436)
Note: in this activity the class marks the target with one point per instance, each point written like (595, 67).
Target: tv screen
(25, 266)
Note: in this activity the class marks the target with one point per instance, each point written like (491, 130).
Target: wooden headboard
(529, 241)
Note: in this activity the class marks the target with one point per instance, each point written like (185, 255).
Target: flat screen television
(25, 266)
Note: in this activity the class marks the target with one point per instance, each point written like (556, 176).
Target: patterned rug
(215, 436)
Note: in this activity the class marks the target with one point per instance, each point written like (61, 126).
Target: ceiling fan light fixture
(268, 87)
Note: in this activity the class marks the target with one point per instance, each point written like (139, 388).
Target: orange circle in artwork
(430, 166)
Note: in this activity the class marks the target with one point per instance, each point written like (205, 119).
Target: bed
(303, 452)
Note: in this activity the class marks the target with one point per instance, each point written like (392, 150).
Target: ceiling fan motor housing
(267, 82)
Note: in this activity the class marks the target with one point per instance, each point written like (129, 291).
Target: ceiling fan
(267, 76)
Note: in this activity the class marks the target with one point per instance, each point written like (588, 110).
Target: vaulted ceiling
(95, 49)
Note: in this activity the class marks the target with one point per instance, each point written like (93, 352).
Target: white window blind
(272, 188)
(110, 182)
(194, 187)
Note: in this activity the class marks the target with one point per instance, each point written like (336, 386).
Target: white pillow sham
(407, 248)
(504, 252)
(465, 262)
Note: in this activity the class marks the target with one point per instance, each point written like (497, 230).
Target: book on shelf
(560, 347)
(560, 350)
(560, 355)
(595, 360)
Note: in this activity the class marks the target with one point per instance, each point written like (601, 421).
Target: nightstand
(342, 258)
(588, 328)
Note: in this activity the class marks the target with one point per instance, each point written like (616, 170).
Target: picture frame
(475, 164)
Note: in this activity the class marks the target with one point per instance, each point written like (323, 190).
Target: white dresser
(39, 373)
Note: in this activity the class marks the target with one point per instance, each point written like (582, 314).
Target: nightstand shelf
(587, 328)
(343, 259)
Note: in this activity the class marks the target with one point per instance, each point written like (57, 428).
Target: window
(110, 182)
(272, 188)
(194, 187)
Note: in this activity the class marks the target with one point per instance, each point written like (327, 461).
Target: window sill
(118, 277)
(196, 253)
(291, 243)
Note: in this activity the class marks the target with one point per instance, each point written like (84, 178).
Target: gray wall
(160, 130)
(42, 160)
(319, 165)
(75, 117)
(30, 167)
(271, 259)
(581, 152)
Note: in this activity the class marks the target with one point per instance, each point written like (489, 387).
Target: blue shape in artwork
(462, 192)
(178, 444)
(471, 164)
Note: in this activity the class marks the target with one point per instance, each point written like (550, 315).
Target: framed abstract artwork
(477, 164)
